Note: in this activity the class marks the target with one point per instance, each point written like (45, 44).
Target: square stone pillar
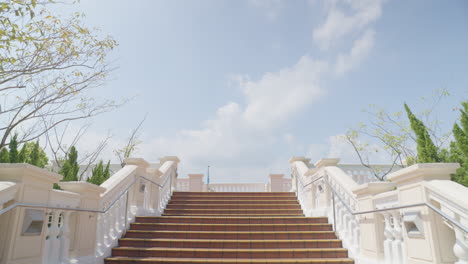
(276, 182)
(423, 241)
(196, 182)
(34, 186)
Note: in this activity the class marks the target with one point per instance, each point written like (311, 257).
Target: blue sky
(245, 85)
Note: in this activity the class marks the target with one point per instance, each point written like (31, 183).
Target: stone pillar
(142, 189)
(422, 241)
(370, 225)
(85, 224)
(34, 186)
(276, 182)
(196, 182)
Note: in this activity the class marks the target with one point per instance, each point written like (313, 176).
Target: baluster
(123, 204)
(398, 237)
(46, 249)
(99, 235)
(105, 230)
(460, 249)
(356, 235)
(54, 232)
(65, 237)
(388, 252)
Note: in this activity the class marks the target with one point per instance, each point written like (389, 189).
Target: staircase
(227, 227)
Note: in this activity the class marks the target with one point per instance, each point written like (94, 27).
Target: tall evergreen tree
(427, 151)
(4, 155)
(14, 157)
(22, 154)
(70, 167)
(34, 158)
(100, 174)
(459, 147)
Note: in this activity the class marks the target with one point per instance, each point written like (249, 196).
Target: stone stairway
(217, 227)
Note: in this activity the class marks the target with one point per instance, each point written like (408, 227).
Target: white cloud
(341, 22)
(245, 140)
(271, 8)
(277, 96)
(358, 52)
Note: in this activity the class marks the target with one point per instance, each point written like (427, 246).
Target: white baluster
(100, 235)
(460, 249)
(397, 246)
(54, 250)
(46, 249)
(388, 238)
(65, 237)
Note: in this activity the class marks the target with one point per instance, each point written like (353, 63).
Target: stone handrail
(419, 215)
(99, 214)
(361, 174)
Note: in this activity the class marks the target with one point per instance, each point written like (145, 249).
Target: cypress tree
(70, 167)
(23, 154)
(4, 155)
(14, 149)
(460, 146)
(34, 158)
(99, 173)
(106, 173)
(427, 151)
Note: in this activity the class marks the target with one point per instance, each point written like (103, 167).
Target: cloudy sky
(244, 85)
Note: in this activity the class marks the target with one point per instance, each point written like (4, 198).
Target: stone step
(237, 198)
(234, 206)
(203, 201)
(230, 227)
(170, 211)
(232, 219)
(236, 194)
(243, 235)
(126, 260)
(223, 253)
(233, 243)
(232, 214)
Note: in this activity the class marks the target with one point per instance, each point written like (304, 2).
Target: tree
(4, 155)
(60, 140)
(100, 174)
(132, 143)
(70, 166)
(47, 67)
(32, 153)
(459, 148)
(389, 136)
(14, 149)
(427, 151)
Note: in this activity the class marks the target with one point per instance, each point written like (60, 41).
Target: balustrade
(237, 187)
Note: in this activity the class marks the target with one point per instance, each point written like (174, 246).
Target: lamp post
(208, 179)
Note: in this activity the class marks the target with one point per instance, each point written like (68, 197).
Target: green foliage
(70, 167)
(459, 148)
(100, 173)
(427, 151)
(14, 157)
(33, 154)
(48, 63)
(4, 155)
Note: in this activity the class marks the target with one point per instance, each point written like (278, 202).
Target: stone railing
(195, 183)
(236, 187)
(362, 174)
(82, 222)
(417, 216)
